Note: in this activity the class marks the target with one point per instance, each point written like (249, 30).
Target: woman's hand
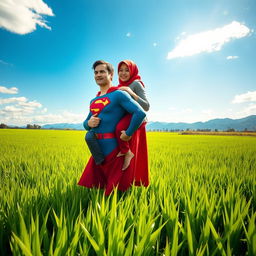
(124, 136)
(128, 89)
(94, 121)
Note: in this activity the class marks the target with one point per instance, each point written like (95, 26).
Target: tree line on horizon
(35, 126)
(29, 126)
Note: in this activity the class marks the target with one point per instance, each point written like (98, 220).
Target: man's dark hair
(109, 66)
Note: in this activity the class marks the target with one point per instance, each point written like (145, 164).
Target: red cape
(110, 89)
(109, 174)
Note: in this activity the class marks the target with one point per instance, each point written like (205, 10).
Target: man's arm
(133, 108)
(86, 126)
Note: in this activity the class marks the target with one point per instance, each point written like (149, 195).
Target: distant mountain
(64, 126)
(248, 123)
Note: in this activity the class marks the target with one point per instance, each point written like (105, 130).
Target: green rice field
(201, 199)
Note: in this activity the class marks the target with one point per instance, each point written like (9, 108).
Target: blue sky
(196, 58)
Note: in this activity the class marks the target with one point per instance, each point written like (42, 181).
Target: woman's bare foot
(127, 159)
(120, 154)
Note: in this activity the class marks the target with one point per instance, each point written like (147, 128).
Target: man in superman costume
(106, 110)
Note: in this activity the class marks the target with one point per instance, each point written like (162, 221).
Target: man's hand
(124, 136)
(94, 121)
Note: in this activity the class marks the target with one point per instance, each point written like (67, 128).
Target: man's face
(102, 76)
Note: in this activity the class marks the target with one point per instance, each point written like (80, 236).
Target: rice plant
(201, 199)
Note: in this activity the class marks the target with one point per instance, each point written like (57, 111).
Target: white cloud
(19, 116)
(73, 117)
(209, 41)
(249, 110)
(20, 111)
(12, 90)
(22, 16)
(128, 34)
(154, 44)
(48, 119)
(31, 104)
(20, 100)
(11, 110)
(245, 97)
(44, 110)
(232, 57)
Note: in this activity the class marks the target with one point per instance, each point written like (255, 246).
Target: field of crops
(201, 200)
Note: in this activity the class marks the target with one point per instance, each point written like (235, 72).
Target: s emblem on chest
(98, 104)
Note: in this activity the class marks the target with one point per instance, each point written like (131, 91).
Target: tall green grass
(201, 200)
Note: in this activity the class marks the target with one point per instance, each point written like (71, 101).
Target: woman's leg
(124, 145)
(123, 125)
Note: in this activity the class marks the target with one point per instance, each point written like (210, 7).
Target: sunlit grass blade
(25, 250)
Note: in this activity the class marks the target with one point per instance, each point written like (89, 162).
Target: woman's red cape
(109, 174)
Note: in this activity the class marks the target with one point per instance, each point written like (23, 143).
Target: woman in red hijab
(134, 149)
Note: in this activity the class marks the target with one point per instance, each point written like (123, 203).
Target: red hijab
(134, 73)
